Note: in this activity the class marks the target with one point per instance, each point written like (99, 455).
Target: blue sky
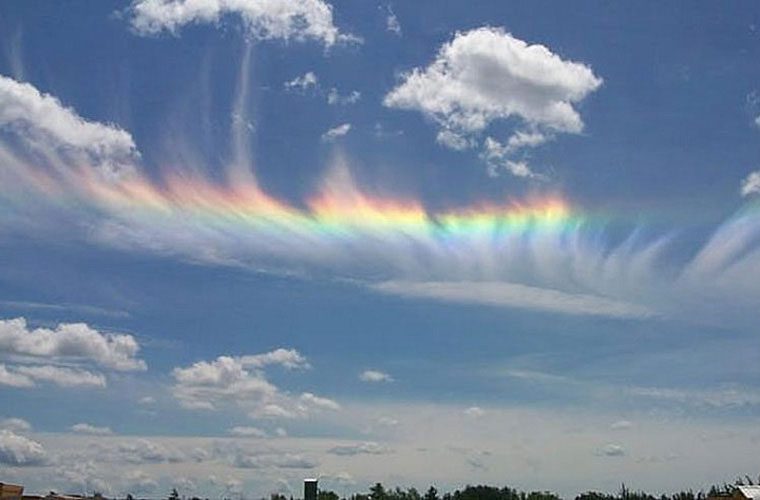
(246, 242)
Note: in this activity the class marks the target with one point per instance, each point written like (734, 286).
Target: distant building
(747, 493)
(11, 491)
(310, 489)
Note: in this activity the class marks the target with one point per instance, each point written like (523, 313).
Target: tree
(174, 495)
(377, 492)
(327, 495)
(431, 494)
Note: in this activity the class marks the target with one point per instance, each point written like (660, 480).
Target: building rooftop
(750, 491)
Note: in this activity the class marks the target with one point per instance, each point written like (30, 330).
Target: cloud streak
(540, 253)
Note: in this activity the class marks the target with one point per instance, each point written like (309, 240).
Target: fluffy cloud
(83, 428)
(485, 75)
(391, 22)
(14, 379)
(264, 19)
(279, 461)
(138, 481)
(612, 450)
(21, 451)
(288, 358)
(474, 411)
(334, 97)
(71, 340)
(374, 376)
(145, 451)
(15, 425)
(240, 381)
(302, 83)
(62, 376)
(367, 448)
(254, 432)
(318, 402)
(204, 384)
(621, 425)
(336, 132)
(751, 184)
(47, 124)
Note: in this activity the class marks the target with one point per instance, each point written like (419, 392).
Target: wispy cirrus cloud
(541, 254)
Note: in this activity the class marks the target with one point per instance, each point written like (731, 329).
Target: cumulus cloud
(611, 450)
(751, 184)
(71, 340)
(319, 402)
(474, 411)
(45, 123)
(241, 382)
(621, 425)
(253, 432)
(138, 481)
(302, 83)
(205, 384)
(366, 448)
(92, 430)
(391, 22)
(14, 379)
(143, 451)
(487, 75)
(15, 425)
(287, 358)
(336, 132)
(374, 376)
(19, 450)
(334, 97)
(264, 19)
(63, 376)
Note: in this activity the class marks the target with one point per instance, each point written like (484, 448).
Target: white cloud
(374, 376)
(14, 379)
(92, 430)
(319, 402)
(474, 411)
(366, 448)
(513, 295)
(71, 340)
(240, 382)
(15, 425)
(334, 97)
(144, 451)
(612, 450)
(751, 184)
(264, 19)
(45, 122)
(21, 451)
(288, 358)
(205, 384)
(485, 75)
(254, 432)
(336, 132)
(147, 400)
(62, 376)
(387, 421)
(139, 482)
(621, 425)
(453, 140)
(757, 121)
(302, 83)
(391, 22)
